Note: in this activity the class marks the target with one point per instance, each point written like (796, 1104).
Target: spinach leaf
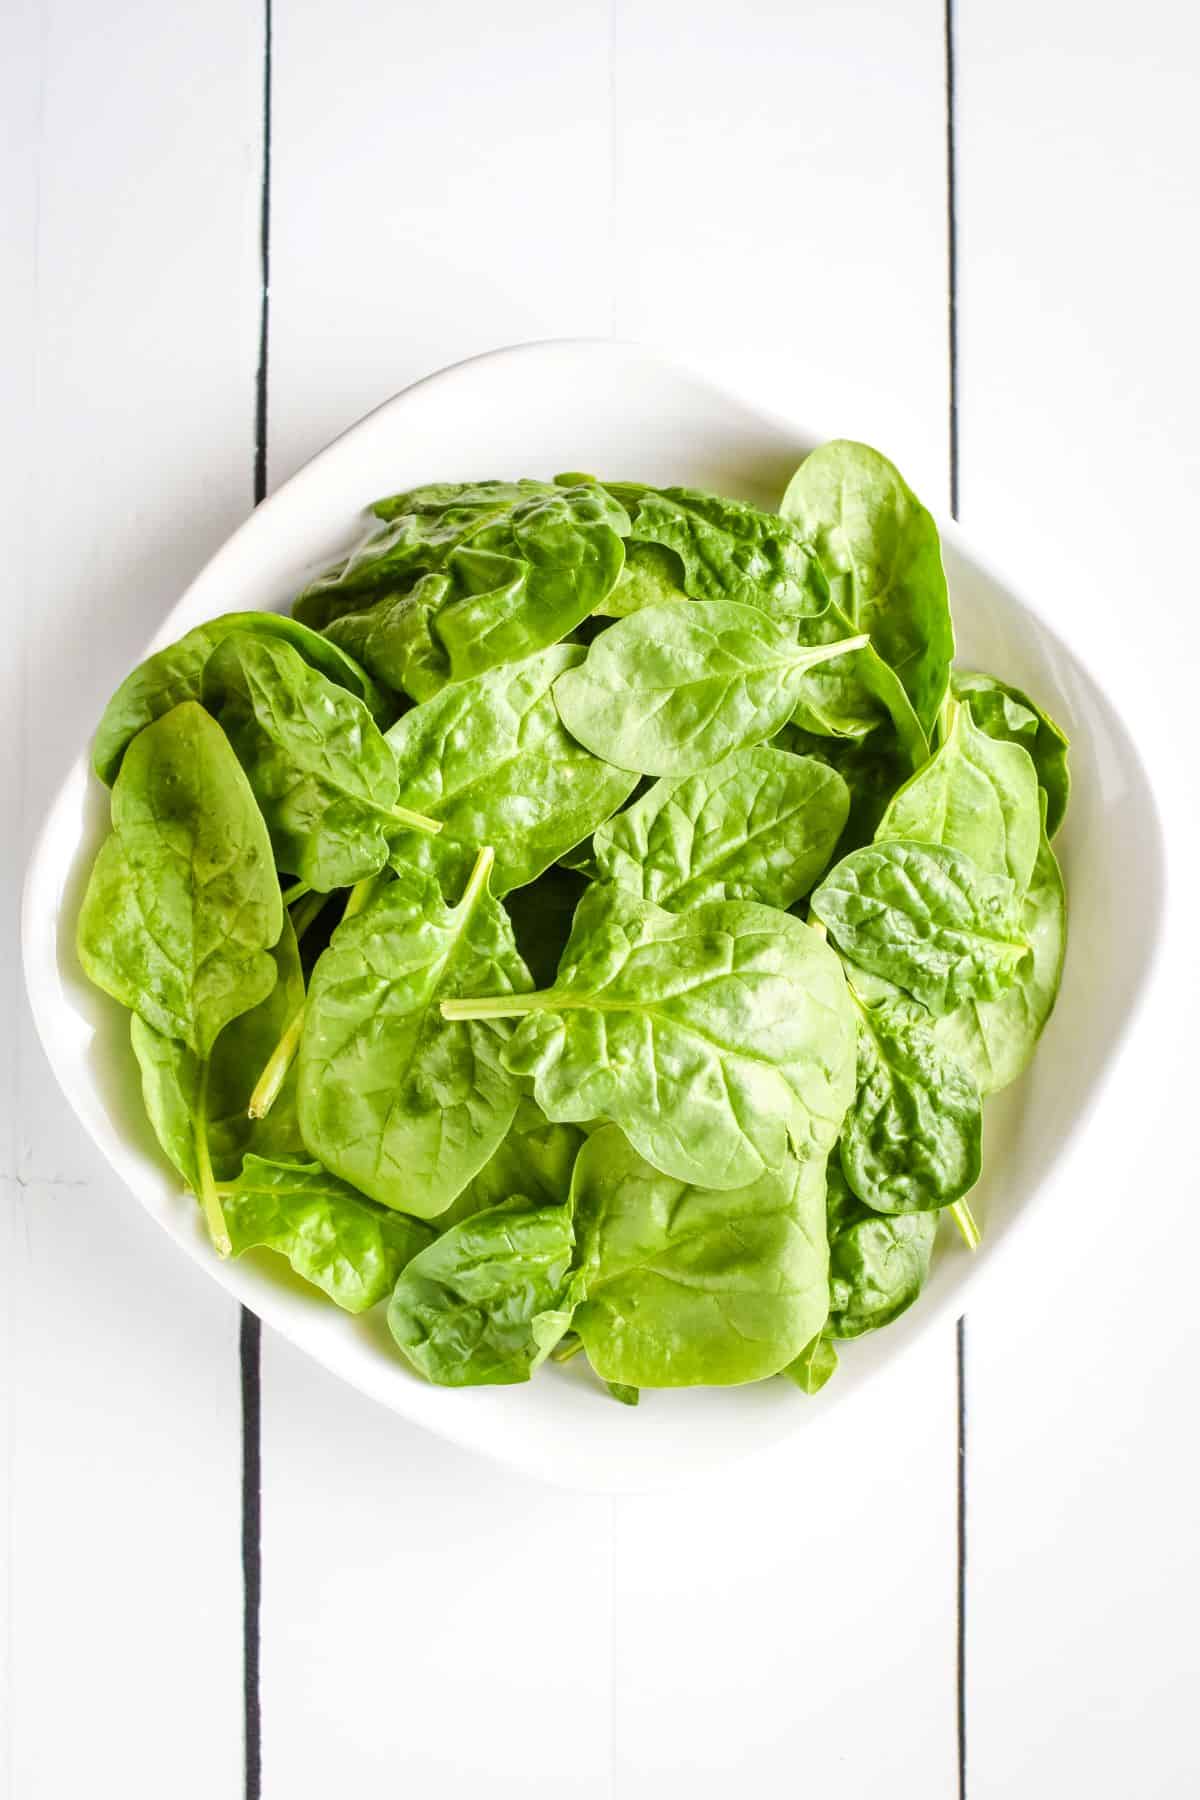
(187, 1098)
(815, 1364)
(880, 549)
(652, 576)
(488, 1301)
(182, 906)
(348, 1247)
(682, 1285)
(727, 550)
(877, 1265)
(322, 772)
(1009, 715)
(489, 759)
(762, 825)
(535, 1159)
(675, 688)
(515, 580)
(394, 1098)
(171, 676)
(393, 637)
(912, 1139)
(977, 794)
(871, 767)
(996, 1038)
(718, 1039)
(927, 918)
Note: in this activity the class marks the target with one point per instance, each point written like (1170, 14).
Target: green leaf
(718, 1039)
(815, 1364)
(977, 794)
(488, 1301)
(489, 759)
(1009, 715)
(394, 1098)
(872, 769)
(184, 1096)
(394, 638)
(761, 825)
(322, 772)
(536, 1159)
(726, 549)
(996, 1038)
(880, 549)
(926, 918)
(682, 1285)
(171, 676)
(351, 1249)
(518, 575)
(620, 1390)
(674, 689)
(182, 906)
(912, 1139)
(652, 576)
(877, 1265)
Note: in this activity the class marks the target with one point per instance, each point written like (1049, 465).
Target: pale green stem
(478, 879)
(208, 1196)
(296, 892)
(362, 894)
(415, 821)
(569, 1347)
(964, 1218)
(307, 911)
(501, 1006)
(266, 1088)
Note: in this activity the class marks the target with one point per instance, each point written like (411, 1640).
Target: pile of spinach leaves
(591, 924)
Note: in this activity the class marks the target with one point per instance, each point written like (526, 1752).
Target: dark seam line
(952, 256)
(250, 1333)
(961, 1635)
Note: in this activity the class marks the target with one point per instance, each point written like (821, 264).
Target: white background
(764, 188)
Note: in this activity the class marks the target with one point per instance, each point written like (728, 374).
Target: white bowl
(621, 412)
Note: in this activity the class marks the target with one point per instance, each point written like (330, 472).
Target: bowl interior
(624, 413)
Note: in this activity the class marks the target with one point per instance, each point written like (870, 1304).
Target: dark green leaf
(877, 1265)
(727, 550)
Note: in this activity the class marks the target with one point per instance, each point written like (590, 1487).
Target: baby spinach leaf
(515, 579)
(877, 1265)
(727, 550)
(977, 794)
(682, 1285)
(880, 549)
(718, 1039)
(173, 675)
(621, 1391)
(490, 760)
(652, 576)
(182, 906)
(185, 1096)
(674, 689)
(322, 772)
(488, 1301)
(762, 825)
(393, 637)
(535, 1159)
(1009, 715)
(912, 1139)
(926, 918)
(871, 767)
(856, 694)
(394, 1098)
(815, 1364)
(348, 1247)
(996, 1038)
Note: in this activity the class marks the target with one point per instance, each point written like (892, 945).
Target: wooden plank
(434, 195)
(129, 293)
(1080, 467)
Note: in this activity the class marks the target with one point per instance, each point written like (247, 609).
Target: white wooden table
(768, 188)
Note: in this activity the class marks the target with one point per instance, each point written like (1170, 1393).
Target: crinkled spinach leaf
(490, 760)
(1008, 714)
(535, 1159)
(401, 1102)
(673, 689)
(682, 1285)
(726, 549)
(488, 1301)
(719, 1039)
(877, 1264)
(761, 825)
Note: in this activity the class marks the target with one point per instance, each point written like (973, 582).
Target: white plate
(626, 413)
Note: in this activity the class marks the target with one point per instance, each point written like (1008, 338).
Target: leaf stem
(964, 1218)
(296, 892)
(478, 878)
(306, 912)
(500, 1006)
(415, 821)
(362, 894)
(208, 1196)
(266, 1088)
(569, 1347)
